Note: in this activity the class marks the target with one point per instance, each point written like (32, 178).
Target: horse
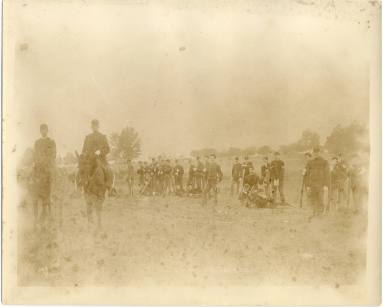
(93, 178)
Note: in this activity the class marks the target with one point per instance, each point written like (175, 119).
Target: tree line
(348, 139)
(126, 144)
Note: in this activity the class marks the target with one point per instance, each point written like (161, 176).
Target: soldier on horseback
(43, 169)
(95, 171)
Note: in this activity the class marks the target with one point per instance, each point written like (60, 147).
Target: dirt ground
(178, 242)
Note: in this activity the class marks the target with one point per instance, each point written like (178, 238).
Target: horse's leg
(98, 204)
(89, 211)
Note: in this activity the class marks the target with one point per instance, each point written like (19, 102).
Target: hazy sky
(187, 77)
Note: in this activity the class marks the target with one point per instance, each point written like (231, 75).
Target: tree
(249, 151)
(264, 150)
(126, 145)
(349, 139)
(308, 141)
(114, 139)
(203, 152)
(231, 152)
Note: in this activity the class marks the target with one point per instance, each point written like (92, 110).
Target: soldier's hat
(265, 158)
(277, 153)
(236, 158)
(307, 154)
(316, 149)
(213, 155)
(95, 122)
(43, 126)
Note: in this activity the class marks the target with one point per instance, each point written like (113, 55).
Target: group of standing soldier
(330, 186)
(323, 184)
(162, 177)
(246, 181)
(94, 152)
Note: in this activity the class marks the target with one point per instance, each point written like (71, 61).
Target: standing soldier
(146, 189)
(339, 181)
(265, 176)
(214, 176)
(166, 177)
(318, 181)
(277, 173)
(172, 180)
(130, 177)
(206, 164)
(44, 162)
(95, 150)
(159, 173)
(191, 179)
(96, 147)
(356, 186)
(153, 170)
(141, 175)
(246, 165)
(178, 172)
(236, 173)
(304, 178)
(333, 191)
(199, 175)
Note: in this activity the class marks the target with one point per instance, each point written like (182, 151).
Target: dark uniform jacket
(277, 169)
(44, 153)
(214, 172)
(44, 159)
(141, 174)
(252, 180)
(236, 171)
(178, 170)
(96, 141)
(246, 166)
(339, 175)
(166, 169)
(265, 172)
(200, 168)
(318, 174)
(192, 170)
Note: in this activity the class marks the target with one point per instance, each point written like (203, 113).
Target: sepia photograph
(181, 152)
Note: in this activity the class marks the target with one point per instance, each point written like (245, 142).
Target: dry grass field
(178, 242)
